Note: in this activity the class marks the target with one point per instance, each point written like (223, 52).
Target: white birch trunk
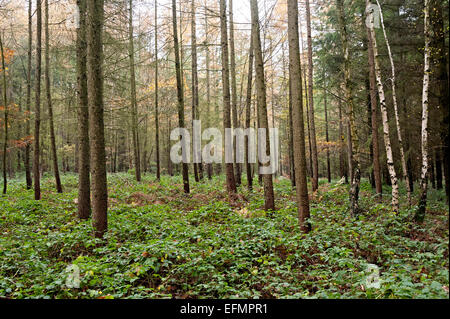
(385, 120)
(420, 215)
(397, 119)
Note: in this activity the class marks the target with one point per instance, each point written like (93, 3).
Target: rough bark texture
(180, 90)
(262, 102)
(37, 106)
(84, 186)
(420, 213)
(95, 14)
(374, 118)
(312, 125)
(49, 101)
(384, 114)
(297, 111)
(355, 161)
(231, 183)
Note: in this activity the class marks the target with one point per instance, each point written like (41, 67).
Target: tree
(295, 86)
(84, 186)
(95, 14)
(374, 117)
(158, 156)
(231, 183)
(262, 102)
(234, 97)
(5, 118)
(312, 125)
(397, 118)
(384, 113)
(134, 106)
(354, 160)
(37, 106)
(28, 178)
(420, 213)
(180, 90)
(251, 58)
(49, 101)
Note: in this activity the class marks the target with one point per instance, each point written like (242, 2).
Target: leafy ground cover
(164, 244)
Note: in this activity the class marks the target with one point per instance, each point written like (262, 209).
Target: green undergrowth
(164, 244)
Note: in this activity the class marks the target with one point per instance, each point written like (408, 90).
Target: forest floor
(164, 244)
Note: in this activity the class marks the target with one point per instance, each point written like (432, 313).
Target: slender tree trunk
(95, 14)
(327, 135)
(384, 113)
(312, 125)
(443, 85)
(180, 91)
(209, 167)
(37, 110)
(195, 94)
(29, 180)
(420, 213)
(5, 118)
(297, 109)
(397, 118)
(356, 173)
(237, 166)
(158, 156)
(374, 118)
(84, 186)
(262, 102)
(134, 106)
(49, 102)
(438, 165)
(342, 169)
(231, 183)
(248, 108)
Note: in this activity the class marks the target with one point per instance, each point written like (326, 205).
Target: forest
(202, 149)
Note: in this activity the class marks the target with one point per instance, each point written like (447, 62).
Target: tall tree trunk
(397, 118)
(5, 118)
(443, 84)
(262, 102)
(49, 102)
(295, 86)
(209, 168)
(312, 125)
(237, 166)
(327, 135)
(438, 162)
(158, 156)
(84, 187)
(248, 108)
(342, 170)
(384, 113)
(134, 106)
(231, 183)
(420, 213)
(180, 91)
(95, 14)
(37, 110)
(29, 180)
(356, 174)
(374, 118)
(195, 94)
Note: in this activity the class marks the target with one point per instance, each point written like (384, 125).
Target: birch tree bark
(420, 213)
(397, 118)
(384, 113)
